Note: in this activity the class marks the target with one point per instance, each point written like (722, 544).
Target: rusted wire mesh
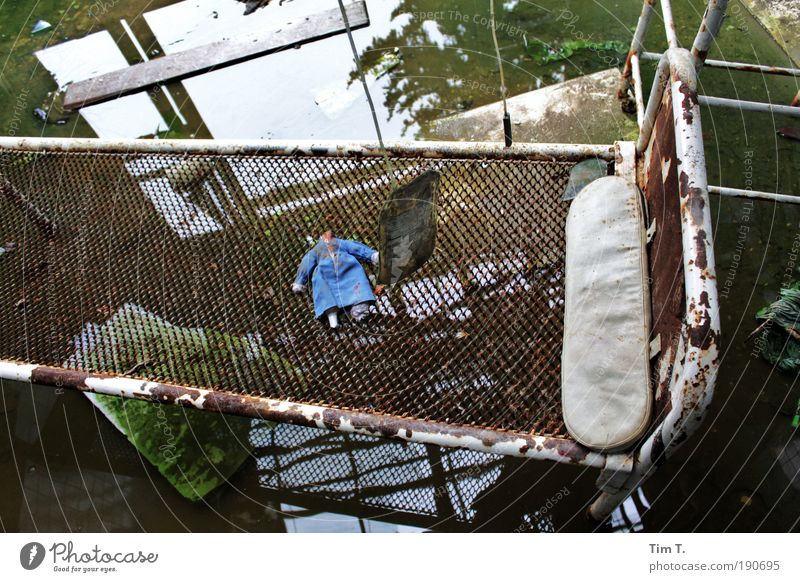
(178, 268)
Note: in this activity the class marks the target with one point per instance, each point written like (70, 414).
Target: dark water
(65, 467)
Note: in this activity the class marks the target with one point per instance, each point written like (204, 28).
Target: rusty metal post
(692, 387)
(636, 48)
(709, 28)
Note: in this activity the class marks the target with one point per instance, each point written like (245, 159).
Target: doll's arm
(307, 266)
(360, 251)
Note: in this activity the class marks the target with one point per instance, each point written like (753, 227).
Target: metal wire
(361, 76)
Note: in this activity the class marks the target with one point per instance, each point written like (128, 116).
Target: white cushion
(605, 371)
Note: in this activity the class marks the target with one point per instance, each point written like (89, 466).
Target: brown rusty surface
(491, 358)
(665, 251)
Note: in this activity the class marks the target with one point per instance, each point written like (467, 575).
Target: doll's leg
(333, 317)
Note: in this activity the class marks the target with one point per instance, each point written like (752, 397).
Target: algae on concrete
(581, 110)
(196, 451)
(781, 18)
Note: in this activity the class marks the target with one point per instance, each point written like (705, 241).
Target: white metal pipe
(754, 194)
(669, 24)
(636, 46)
(637, 90)
(709, 29)
(400, 148)
(734, 66)
(749, 105)
(433, 433)
(653, 102)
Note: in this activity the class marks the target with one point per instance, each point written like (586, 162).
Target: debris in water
(253, 5)
(544, 53)
(41, 114)
(779, 341)
(40, 26)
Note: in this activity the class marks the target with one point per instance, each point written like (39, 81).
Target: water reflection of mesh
(790, 460)
(369, 472)
(209, 244)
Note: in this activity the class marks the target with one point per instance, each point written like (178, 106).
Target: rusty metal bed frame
(160, 270)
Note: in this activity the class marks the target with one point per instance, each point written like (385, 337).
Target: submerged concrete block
(582, 110)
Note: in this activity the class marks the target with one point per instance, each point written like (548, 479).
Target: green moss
(196, 451)
(543, 53)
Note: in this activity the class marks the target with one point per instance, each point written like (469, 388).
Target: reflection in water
(790, 460)
(628, 516)
(394, 476)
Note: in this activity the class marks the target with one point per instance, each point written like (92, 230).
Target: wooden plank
(212, 56)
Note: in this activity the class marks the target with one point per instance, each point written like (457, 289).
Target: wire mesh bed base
(170, 264)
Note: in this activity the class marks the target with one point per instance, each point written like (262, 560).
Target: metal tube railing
(649, 118)
(709, 28)
(749, 105)
(754, 194)
(636, 46)
(397, 148)
(732, 65)
(669, 24)
(637, 90)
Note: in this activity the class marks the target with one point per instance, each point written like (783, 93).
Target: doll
(338, 280)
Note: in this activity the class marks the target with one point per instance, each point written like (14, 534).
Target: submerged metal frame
(709, 29)
(690, 380)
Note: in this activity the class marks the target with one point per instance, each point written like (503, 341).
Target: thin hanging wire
(506, 116)
(369, 97)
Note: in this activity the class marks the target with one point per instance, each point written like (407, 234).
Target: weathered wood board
(212, 56)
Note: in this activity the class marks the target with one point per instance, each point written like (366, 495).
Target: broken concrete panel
(781, 18)
(582, 110)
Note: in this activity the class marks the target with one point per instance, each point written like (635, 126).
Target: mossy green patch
(196, 451)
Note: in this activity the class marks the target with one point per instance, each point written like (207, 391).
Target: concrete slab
(781, 18)
(582, 110)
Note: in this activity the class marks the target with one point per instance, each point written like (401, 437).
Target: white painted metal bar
(637, 90)
(753, 194)
(659, 83)
(669, 24)
(749, 105)
(734, 66)
(636, 46)
(418, 431)
(709, 28)
(399, 148)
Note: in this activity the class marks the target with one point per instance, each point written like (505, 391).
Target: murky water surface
(65, 467)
